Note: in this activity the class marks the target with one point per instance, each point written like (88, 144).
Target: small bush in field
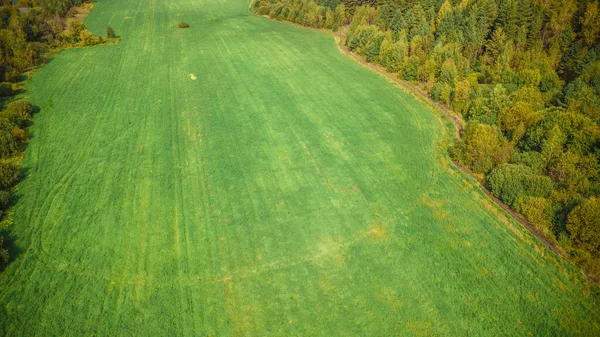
(184, 25)
(110, 32)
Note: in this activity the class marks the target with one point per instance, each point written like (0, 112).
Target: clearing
(243, 177)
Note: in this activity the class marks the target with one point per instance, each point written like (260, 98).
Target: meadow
(243, 177)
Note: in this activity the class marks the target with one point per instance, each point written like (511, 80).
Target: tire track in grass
(176, 161)
(130, 253)
(37, 223)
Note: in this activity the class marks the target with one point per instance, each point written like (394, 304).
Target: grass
(243, 177)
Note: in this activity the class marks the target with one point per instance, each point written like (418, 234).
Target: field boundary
(458, 123)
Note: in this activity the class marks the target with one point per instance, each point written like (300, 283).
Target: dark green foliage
(5, 13)
(110, 32)
(416, 22)
(4, 200)
(9, 174)
(6, 89)
(60, 7)
(4, 257)
(411, 69)
(513, 183)
(9, 144)
(482, 147)
(584, 225)
(19, 113)
(397, 23)
(372, 51)
(353, 43)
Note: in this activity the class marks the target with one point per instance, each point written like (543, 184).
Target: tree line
(28, 30)
(31, 28)
(523, 74)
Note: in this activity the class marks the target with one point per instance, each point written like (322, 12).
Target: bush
(513, 183)
(9, 145)
(3, 254)
(372, 52)
(4, 199)
(482, 148)
(19, 113)
(184, 25)
(86, 38)
(411, 70)
(110, 32)
(6, 89)
(9, 174)
(536, 210)
(584, 225)
(353, 43)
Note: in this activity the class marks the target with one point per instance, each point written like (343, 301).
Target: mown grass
(243, 177)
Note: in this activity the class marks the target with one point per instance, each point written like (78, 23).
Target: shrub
(4, 199)
(19, 113)
(87, 38)
(9, 145)
(9, 174)
(372, 52)
(73, 33)
(411, 70)
(536, 210)
(184, 25)
(584, 225)
(3, 254)
(353, 43)
(110, 32)
(6, 89)
(512, 183)
(482, 148)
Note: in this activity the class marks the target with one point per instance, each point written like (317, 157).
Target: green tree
(513, 183)
(537, 211)
(19, 113)
(9, 144)
(9, 174)
(417, 22)
(4, 257)
(110, 32)
(411, 69)
(6, 89)
(443, 12)
(340, 15)
(590, 28)
(553, 146)
(482, 147)
(583, 225)
(520, 112)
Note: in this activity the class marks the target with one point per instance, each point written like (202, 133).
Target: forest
(30, 31)
(523, 75)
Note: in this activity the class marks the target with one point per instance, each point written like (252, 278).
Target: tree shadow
(10, 240)
(14, 251)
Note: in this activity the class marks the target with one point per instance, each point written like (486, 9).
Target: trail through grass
(243, 177)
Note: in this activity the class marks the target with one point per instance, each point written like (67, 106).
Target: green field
(244, 177)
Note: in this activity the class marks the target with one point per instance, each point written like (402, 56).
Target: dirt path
(458, 126)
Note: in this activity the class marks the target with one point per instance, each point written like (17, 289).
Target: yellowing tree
(584, 225)
(590, 23)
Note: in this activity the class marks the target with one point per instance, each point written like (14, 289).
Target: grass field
(243, 177)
